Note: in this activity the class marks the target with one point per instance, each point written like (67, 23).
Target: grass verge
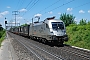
(2, 38)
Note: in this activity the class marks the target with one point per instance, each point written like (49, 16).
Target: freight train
(50, 30)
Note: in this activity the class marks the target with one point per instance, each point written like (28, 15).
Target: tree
(24, 25)
(82, 22)
(89, 22)
(67, 19)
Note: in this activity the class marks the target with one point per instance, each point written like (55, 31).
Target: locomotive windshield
(57, 25)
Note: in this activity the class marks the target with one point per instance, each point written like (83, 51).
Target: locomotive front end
(59, 30)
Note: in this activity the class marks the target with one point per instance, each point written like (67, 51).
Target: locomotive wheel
(60, 44)
(44, 41)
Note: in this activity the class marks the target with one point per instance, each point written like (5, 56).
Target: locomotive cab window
(57, 25)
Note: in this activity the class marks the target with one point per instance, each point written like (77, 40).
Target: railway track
(37, 51)
(77, 52)
(45, 52)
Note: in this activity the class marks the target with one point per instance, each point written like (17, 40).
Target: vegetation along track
(46, 52)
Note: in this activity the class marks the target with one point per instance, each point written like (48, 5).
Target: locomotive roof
(46, 21)
(54, 20)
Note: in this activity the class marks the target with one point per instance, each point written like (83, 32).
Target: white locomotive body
(50, 30)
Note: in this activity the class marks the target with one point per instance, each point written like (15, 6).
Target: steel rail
(54, 55)
(31, 50)
(76, 53)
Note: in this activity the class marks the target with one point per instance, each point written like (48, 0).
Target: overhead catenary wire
(82, 5)
(28, 4)
(46, 7)
(56, 7)
(59, 6)
(33, 4)
(66, 4)
(50, 5)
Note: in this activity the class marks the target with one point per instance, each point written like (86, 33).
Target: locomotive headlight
(51, 31)
(64, 31)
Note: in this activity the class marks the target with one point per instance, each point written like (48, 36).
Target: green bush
(79, 35)
(74, 28)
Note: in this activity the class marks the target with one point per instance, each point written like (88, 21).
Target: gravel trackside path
(7, 51)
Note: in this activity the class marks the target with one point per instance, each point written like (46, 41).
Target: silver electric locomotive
(49, 30)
